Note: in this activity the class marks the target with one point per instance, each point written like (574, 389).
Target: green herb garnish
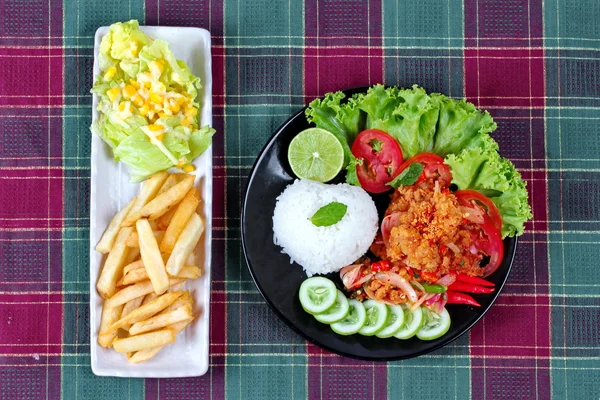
(408, 176)
(329, 214)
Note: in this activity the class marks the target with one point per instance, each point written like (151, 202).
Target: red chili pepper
(443, 249)
(430, 277)
(383, 265)
(464, 278)
(461, 298)
(446, 191)
(470, 288)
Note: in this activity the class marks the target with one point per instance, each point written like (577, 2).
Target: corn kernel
(113, 93)
(144, 109)
(189, 168)
(129, 91)
(122, 105)
(175, 108)
(191, 112)
(155, 128)
(162, 115)
(186, 121)
(156, 98)
(110, 73)
(134, 83)
(147, 85)
(161, 136)
(180, 100)
(138, 101)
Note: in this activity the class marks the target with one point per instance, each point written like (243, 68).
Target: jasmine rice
(323, 249)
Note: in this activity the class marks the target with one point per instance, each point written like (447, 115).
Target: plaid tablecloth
(535, 65)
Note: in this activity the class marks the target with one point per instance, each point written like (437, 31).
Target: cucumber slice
(377, 314)
(436, 325)
(354, 320)
(413, 321)
(336, 312)
(317, 294)
(394, 322)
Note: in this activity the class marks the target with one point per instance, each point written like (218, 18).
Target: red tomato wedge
(381, 159)
(433, 167)
(490, 244)
(474, 199)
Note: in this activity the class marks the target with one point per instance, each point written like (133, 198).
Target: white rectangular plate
(111, 191)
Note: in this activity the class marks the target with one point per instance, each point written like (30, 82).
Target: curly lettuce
(421, 122)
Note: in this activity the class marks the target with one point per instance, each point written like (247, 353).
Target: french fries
(142, 280)
(161, 203)
(110, 234)
(144, 341)
(148, 192)
(151, 257)
(162, 320)
(113, 267)
(140, 274)
(133, 239)
(185, 244)
(184, 211)
(146, 311)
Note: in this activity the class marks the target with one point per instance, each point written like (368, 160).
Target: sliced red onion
(447, 279)
(350, 274)
(419, 302)
(387, 224)
(399, 282)
(453, 247)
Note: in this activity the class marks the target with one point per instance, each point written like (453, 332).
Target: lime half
(316, 154)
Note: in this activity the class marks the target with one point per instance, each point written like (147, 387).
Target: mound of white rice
(323, 249)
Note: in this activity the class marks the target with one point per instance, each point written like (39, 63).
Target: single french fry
(184, 211)
(147, 193)
(135, 291)
(153, 262)
(151, 296)
(162, 203)
(110, 234)
(161, 320)
(131, 305)
(183, 300)
(144, 312)
(113, 266)
(162, 222)
(186, 243)
(140, 274)
(133, 239)
(146, 354)
(133, 254)
(133, 266)
(109, 316)
(144, 341)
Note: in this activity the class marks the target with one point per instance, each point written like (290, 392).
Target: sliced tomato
(491, 245)
(472, 198)
(381, 159)
(433, 168)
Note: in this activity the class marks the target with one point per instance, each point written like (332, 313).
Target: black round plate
(278, 281)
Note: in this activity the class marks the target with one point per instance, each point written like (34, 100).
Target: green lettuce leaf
(141, 156)
(483, 169)
(460, 123)
(122, 42)
(200, 141)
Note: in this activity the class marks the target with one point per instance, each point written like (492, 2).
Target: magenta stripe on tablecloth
(506, 77)
(360, 64)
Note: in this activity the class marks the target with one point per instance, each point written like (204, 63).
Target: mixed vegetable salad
(149, 111)
(453, 199)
